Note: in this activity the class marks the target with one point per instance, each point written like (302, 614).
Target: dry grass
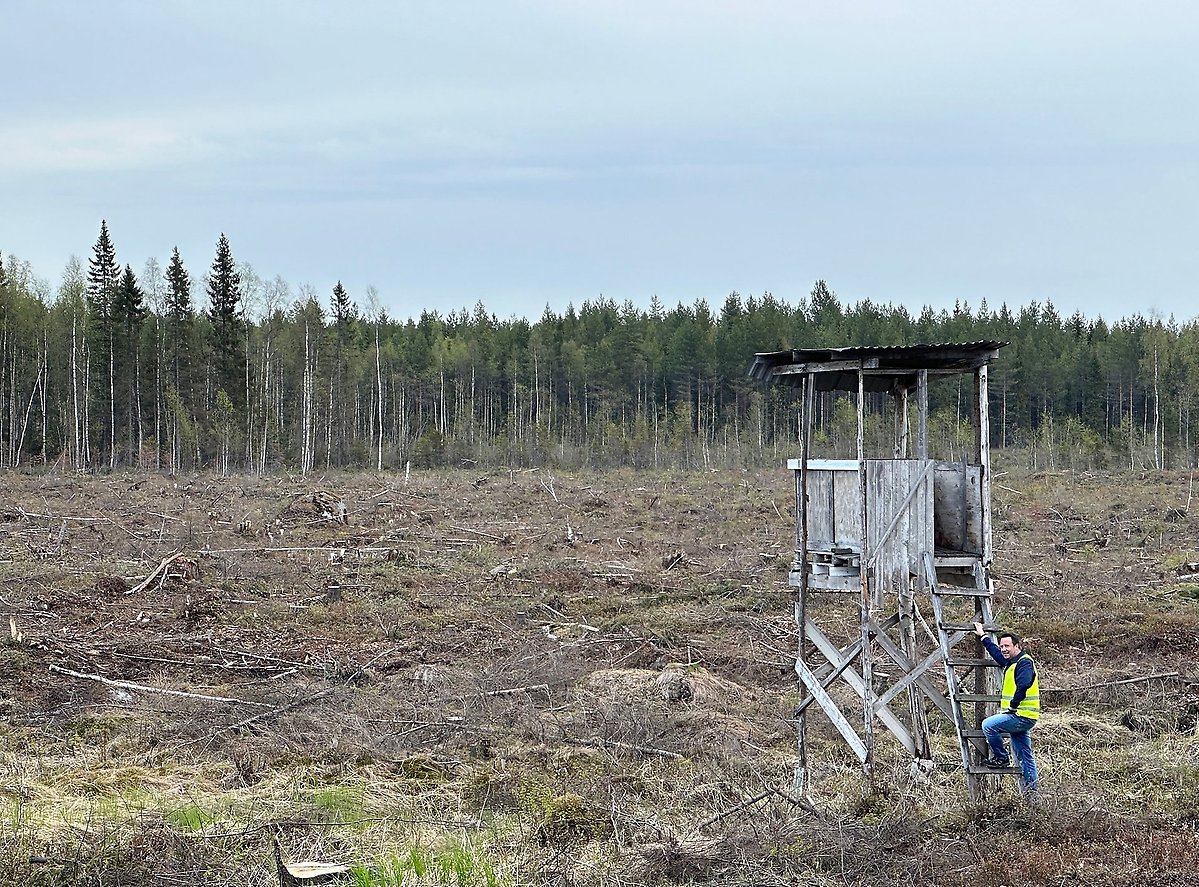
(510, 678)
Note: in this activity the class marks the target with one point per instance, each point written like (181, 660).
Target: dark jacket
(1025, 671)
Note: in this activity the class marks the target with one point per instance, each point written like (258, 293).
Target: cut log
(302, 874)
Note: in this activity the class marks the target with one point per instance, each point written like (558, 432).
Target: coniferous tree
(343, 315)
(225, 320)
(103, 279)
(827, 315)
(608, 385)
(128, 313)
(180, 319)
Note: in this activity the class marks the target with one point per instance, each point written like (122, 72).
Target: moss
(422, 768)
(568, 818)
(13, 659)
(94, 729)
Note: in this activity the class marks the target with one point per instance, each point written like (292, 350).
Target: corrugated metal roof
(890, 368)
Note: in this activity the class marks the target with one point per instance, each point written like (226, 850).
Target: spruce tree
(103, 278)
(225, 324)
(180, 319)
(344, 318)
(128, 313)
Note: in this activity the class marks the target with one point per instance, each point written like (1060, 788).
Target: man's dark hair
(1011, 634)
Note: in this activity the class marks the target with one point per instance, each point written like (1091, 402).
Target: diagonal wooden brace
(830, 708)
(855, 680)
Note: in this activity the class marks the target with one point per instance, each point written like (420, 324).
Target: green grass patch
(341, 803)
(455, 864)
(1188, 590)
(189, 818)
(1176, 560)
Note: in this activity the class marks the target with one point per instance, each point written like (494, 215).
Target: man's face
(1009, 648)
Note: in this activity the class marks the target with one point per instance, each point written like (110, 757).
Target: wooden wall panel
(908, 516)
(958, 505)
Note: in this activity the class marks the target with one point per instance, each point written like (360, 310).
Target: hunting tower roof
(888, 368)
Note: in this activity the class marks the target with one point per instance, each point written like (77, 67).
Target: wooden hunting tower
(888, 533)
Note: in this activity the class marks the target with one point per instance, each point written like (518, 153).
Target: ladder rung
(980, 769)
(977, 697)
(961, 591)
(969, 627)
(963, 660)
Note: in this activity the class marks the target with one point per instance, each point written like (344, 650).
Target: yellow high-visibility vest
(1030, 705)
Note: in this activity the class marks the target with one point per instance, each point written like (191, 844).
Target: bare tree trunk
(379, 389)
(1132, 429)
(306, 409)
(264, 369)
(137, 398)
(313, 357)
(329, 428)
(158, 394)
(7, 431)
(46, 375)
(87, 400)
(441, 421)
(1158, 443)
(76, 437)
(20, 441)
(112, 406)
(249, 405)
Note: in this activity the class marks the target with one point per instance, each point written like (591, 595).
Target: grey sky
(549, 151)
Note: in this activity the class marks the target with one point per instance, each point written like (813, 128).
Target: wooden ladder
(975, 585)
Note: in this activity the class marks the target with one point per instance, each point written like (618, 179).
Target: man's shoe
(998, 763)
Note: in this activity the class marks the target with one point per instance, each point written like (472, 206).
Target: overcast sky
(532, 152)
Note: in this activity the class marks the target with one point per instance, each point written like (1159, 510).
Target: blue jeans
(1017, 728)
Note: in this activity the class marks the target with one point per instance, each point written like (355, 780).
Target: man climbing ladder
(1020, 706)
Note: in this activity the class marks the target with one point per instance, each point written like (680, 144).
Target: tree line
(168, 371)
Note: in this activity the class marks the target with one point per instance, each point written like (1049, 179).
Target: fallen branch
(1071, 543)
(544, 688)
(1163, 676)
(803, 804)
(27, 515)
(477, 533)
(642, 749)
(129, 685)
(178, 520)
(736, 809)
(369, 549)
(339, 823)
(266, 658)
(266, 714)
(161, 568)
(295, 703)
